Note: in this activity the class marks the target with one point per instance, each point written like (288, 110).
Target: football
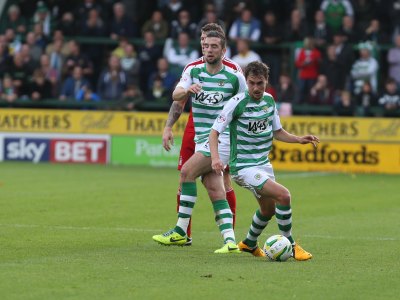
(278, 248)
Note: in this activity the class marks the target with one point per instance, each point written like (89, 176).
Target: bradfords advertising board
(336, 156)
(55, 148)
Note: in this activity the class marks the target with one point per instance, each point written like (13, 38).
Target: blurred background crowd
(340, 55)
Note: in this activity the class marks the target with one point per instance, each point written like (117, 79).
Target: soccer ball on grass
(278, 248)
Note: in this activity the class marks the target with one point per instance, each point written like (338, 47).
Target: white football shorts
(223, 149)
(253, 178)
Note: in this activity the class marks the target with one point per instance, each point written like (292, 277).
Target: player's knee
(216, 193)
(284, 197)
(185, 173)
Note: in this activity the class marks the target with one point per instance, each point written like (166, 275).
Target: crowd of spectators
(338, 60)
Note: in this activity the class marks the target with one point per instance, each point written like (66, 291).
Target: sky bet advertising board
(55, 148)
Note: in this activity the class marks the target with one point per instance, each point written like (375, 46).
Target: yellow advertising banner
(329, 129)
(346, 129)
(94, 122)
(338, 157)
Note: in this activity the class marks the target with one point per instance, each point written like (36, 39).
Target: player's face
(213, 50)
(256, 85)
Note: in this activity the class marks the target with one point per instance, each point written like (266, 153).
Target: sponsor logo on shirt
(208, 98)
(257, 126)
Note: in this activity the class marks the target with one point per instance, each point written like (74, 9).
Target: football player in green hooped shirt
(210, 85)
(254, 122)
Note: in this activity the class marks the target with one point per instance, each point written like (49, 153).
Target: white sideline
(132, 229)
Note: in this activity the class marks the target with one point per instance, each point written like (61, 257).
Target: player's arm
(174, 113)
(185, 86)
(220, 124)
(216, 162)
(284, 136)
(181, 93)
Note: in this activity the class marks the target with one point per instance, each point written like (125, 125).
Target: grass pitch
(84, 232)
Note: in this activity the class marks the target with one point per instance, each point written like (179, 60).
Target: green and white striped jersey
(252, 123)
(217, 89)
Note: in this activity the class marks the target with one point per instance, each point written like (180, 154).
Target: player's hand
(309, 139)
(194, 88)
(167, 138)
(217, 166)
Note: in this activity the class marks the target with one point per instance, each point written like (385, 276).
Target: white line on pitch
(132, 229)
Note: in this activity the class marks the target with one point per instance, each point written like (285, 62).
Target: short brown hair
(212, 27)
(257, 68)
(217, 34)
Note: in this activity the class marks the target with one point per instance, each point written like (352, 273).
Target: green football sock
(283, 216)
(258, 224)
(224, 220)
(186, 205)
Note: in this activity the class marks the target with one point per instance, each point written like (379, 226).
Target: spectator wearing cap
(43, 17)
(13, 20)
(365, 69)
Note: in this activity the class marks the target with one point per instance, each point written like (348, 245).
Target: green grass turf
(84, 232)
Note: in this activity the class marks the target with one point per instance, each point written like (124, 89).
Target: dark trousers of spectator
(305, 86)
(273, 60)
